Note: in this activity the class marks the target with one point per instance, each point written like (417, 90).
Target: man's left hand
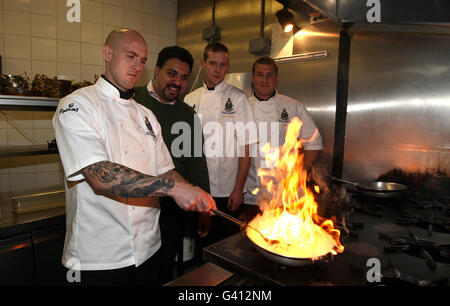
(235, 200)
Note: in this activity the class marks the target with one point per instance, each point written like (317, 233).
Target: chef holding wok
(116, 165)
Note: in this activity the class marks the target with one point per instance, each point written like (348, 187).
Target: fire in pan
(290, 231)
(272, 243)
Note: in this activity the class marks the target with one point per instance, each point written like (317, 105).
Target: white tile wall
(35, 37)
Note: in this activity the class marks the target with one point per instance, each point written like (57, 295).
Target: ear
(228, 66)
(107, 53)
(157, 70)
(202, 62)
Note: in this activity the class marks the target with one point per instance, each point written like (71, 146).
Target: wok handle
(230, 218)
(343, 181)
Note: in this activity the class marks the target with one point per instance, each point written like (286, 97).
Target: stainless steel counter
(14, 224)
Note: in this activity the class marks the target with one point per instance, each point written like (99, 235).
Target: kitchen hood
(379, 11)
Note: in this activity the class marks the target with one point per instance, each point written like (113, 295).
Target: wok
(377, 189)
(278, 258)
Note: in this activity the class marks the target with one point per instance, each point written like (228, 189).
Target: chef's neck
(123, 94)
(211, 86)
(264, 97)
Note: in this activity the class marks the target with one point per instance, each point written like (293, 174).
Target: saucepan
(278, 258)
(377, 189)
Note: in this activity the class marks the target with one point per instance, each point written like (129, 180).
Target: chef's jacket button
(126, 152)
(133, 208)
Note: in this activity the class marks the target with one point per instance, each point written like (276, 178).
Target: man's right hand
(192, 198)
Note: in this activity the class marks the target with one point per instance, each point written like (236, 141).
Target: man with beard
(161, 96)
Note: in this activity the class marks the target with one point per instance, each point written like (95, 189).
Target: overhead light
(296, 29)
(286, 19)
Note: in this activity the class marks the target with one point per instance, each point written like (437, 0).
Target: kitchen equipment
(19, 91)
(51, 87)
(377, 189)
(280, 259)
(289, 261)
(38, 201)
(14, 81)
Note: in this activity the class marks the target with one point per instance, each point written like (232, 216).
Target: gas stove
(387, 242)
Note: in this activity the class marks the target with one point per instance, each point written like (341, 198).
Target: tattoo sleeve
(122, 181)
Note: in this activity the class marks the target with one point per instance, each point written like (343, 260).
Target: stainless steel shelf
(25, 103)
(28, 103)
(16, 151)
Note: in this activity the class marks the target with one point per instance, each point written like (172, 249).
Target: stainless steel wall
(239, 21)
(399, 103)
(312, 82)
(399, 94)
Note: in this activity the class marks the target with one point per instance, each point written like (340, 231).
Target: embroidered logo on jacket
(70, 108)
(284, 116)
(229, 108)
(149, 128)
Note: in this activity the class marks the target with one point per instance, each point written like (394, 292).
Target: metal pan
(287, 260)
(377, 189)
(280, 259)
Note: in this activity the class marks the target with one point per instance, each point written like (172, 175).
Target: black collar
(210, 88)
(273, 94)
(123, 94)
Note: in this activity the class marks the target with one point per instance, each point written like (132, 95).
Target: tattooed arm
(122, 183)
(173, 175)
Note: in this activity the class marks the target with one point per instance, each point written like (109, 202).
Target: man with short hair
(182, 132)
(223, 109)
(275, 111)
(116, 165)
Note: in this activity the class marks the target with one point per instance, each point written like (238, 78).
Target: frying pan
(377, 189)
(242, 224)
(280, 259)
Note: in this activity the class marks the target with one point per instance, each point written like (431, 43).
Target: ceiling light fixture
(286, 19)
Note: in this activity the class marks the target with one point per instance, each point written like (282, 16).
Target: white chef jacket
(94, 124)
(273, 117)
(228, 126)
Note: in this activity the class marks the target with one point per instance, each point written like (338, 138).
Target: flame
(290, 215)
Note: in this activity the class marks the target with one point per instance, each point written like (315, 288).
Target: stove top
(387, 242)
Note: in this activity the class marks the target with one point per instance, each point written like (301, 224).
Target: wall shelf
(25, 103)
(28, 103)
(16, 151)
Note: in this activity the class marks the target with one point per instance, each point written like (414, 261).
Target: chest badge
(229, 108)
(284, 116)
(149, 128)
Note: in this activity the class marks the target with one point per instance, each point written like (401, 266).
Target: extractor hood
(379, 11)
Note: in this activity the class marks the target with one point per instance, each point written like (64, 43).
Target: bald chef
(116, 164)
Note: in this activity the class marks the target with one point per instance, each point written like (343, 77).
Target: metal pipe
(213, 12)
(341, 103)
(263, 14)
